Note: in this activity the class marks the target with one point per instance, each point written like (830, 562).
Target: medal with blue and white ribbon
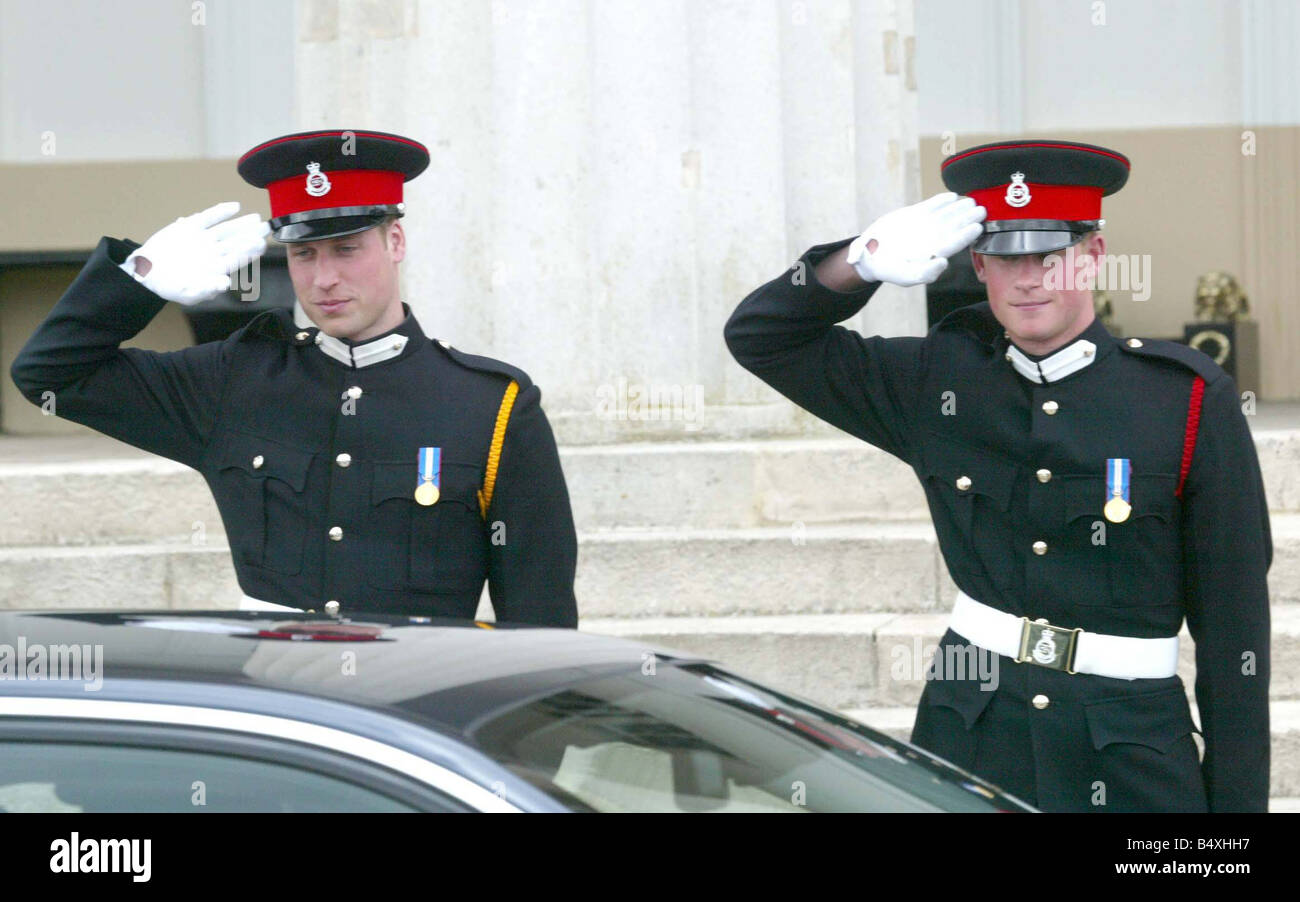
(426, 492)
(1119, 471)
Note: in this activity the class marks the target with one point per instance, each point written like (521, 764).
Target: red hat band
(316, 190)
(1020, 200)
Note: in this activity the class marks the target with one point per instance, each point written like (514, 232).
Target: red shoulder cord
(1189, 434)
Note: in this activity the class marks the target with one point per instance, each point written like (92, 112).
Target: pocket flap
(985, 472)
(456, 482)
(1151, 495)
(963, 696)
(263, 457)
(1154, 719)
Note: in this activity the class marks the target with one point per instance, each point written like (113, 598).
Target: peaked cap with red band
(1041, 196)
(334, 182)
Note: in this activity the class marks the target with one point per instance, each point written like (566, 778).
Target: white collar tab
(1070, 359)
(355, 356)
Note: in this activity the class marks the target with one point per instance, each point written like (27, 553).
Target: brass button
(258, 461)
(331, 607)
(336, 533)
(1041, 702)
(397, 346)
(1040, 547)
(1050, 407)
(343, 460)
(963, 483)
(303, 336)
(1044, 475)
(320, 337)
(1008, 356)
(1087, 352)
(1134, 342)
(354, 392)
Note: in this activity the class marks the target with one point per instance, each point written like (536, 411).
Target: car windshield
(695, 738)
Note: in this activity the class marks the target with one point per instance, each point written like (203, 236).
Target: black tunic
(951, 405)
(265, 416)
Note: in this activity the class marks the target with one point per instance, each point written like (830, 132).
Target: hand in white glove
(189, 260)
(911, 245)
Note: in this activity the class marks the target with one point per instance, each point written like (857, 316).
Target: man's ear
(1097, 245)
(397, 242)
(977, 261)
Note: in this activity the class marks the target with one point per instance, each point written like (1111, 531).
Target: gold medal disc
(1117, 510)
(426, 493)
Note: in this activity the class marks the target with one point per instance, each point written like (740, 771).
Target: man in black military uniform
(1087, 493)
(358, 465)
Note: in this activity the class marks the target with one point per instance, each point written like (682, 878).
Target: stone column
(611, 177)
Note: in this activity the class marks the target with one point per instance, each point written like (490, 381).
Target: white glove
(189, 260)
(913, 243)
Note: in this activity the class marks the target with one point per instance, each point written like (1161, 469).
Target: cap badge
(318, 183)
(1017, 192)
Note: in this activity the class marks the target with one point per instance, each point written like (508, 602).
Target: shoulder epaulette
(1198, 362)
(978, 319)
(271, 323)
(484, 364)
(517, 381)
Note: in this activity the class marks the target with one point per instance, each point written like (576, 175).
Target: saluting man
(1087, 493)
(358, 465)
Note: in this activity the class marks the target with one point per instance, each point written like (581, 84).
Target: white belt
(1038, 642)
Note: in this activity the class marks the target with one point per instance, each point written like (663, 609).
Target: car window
(693, 738)
(78, 777)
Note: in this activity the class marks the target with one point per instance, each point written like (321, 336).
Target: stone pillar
(611, 177)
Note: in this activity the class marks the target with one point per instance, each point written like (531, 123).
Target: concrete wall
(26, 295)
(142, 79)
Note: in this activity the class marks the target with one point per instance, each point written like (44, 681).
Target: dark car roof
(391, 661)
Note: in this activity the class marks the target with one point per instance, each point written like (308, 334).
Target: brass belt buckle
(1040, 643)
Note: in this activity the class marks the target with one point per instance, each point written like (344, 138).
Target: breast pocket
(441, 547)
(975, 486)
(1140, 558)
(262, 485)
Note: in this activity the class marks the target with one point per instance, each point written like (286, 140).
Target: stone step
(126, 500)
(859, 660)
(119, 576)
(739, 484)
(816, 569)
(861, 568)
(825, 568)
(130, 497)
(1284, 721)
(142, 498)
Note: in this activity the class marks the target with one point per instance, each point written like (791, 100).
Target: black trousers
(1092, 744)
